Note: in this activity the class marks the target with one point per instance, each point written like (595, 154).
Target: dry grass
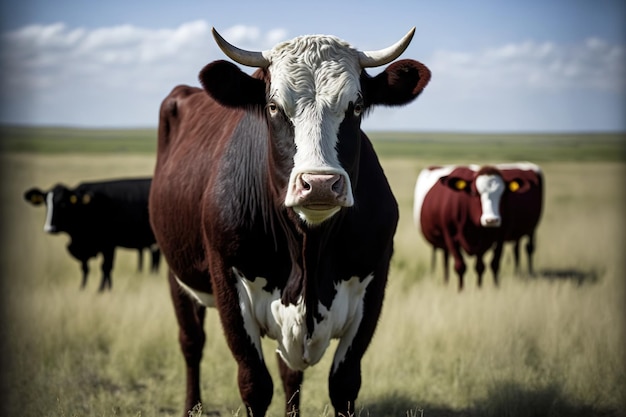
(532, 347)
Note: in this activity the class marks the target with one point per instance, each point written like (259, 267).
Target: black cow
(268, 202)
(98, 217)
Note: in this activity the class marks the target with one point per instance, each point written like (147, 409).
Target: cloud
(592, 65)
(56, 65)
(117, 76)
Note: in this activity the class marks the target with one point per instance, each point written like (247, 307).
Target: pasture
(549, 345)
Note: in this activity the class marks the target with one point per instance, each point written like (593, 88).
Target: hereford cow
(476, 208)
(98, 217)
(269, 203)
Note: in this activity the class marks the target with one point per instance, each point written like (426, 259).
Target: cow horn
(249, 58)
(369, 59)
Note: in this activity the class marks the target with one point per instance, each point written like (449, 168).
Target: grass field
(551, 345)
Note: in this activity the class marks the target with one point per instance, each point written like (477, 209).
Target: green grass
(447, 146)
(532, 347)
(464, 148)
(74, 140)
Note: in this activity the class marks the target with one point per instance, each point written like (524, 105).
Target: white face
(47, 227)
(490, 189)
(314, 80)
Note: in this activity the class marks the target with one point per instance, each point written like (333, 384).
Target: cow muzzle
(490, 221)
(316, 197)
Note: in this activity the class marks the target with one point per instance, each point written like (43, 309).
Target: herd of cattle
(269, 203)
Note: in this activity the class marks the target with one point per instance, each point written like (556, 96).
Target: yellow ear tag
(36, 199)
(460, 185)
(86, 199)
(513, 186)
(73, 199)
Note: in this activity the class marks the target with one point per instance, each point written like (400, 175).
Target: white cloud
(47, 66)
(117, 76)
(593, 65)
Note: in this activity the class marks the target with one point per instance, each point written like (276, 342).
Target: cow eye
(272, 108)
(358, 108)
(460, 185)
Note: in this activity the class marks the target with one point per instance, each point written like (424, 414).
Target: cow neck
(308, 282)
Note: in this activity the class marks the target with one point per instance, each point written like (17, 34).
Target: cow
(474, 208)
(269, 203)
(98, 217)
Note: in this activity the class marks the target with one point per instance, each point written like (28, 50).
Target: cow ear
(230, 86)
(34, 196)
(399, 84)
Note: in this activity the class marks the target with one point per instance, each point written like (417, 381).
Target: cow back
(117, 213)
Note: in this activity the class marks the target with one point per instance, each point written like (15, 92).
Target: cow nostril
(305, 185)
(337, 186)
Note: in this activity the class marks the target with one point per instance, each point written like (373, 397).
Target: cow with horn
(269, 203)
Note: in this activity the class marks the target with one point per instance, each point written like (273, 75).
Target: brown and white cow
(269, 203)
(473, 208)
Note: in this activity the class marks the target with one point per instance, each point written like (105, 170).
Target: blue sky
(498, 66)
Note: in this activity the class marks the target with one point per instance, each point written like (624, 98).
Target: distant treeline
(449, 146)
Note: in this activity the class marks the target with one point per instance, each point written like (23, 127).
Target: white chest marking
(203, 298)
(264, 314)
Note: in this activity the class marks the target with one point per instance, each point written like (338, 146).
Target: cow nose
(320, 188)
(491, 221)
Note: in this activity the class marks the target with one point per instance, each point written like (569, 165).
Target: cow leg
(344, 380)
(344, 384)
(459, 263)
(156, 258)
(84, 266)
(191, 336)
(530, 249)
(255, 383)
(495, 261)
(243, 338)
(516, 256)
(480, 268)
(292, 383)
(108, 256)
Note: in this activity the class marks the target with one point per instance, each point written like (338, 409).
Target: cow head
(485, 184)
(63, 206)
(313, 92)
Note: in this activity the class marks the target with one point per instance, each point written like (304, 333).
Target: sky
(497, 65)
